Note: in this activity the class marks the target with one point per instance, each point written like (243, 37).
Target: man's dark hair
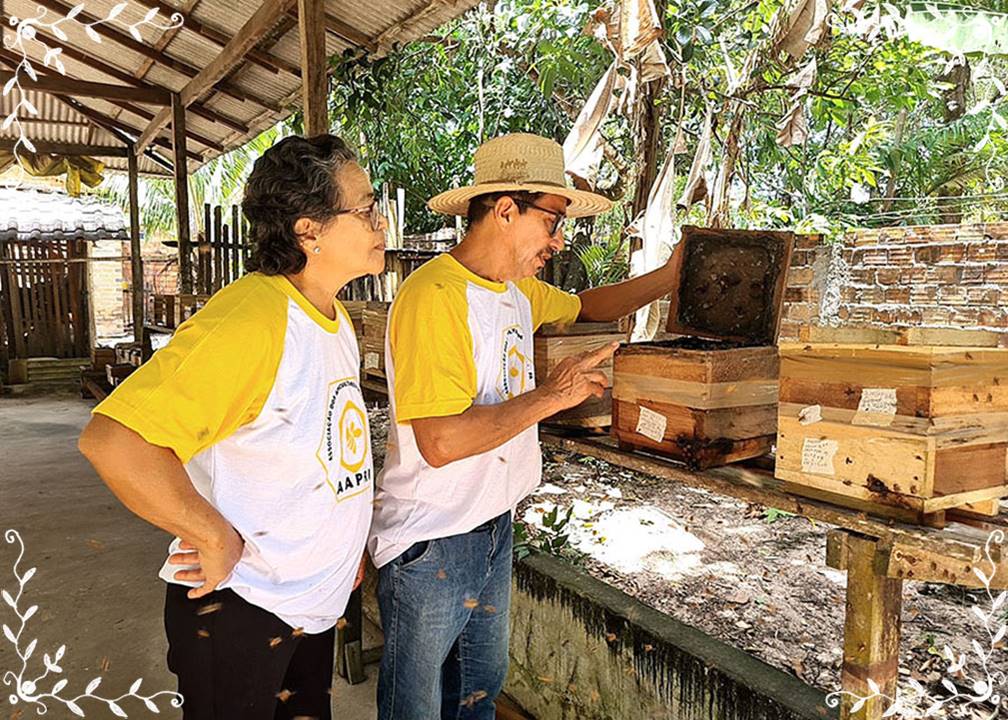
(481, 205)
(293, 179)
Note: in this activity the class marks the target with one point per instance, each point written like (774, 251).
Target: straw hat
(519, 162)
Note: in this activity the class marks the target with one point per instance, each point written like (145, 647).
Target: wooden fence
(221, 251)
(44, 299)
(219, 257)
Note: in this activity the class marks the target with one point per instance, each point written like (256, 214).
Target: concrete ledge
(583, 649)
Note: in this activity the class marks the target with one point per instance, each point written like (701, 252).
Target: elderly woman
(246, 437)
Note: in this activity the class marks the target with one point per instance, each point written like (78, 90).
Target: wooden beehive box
(355, 309)
(710, 397)
(553, 343)
(895, 429)
(374, 318)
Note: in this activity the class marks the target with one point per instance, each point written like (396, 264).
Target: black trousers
(236, 661)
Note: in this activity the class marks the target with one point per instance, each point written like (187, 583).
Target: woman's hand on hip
(210, 564)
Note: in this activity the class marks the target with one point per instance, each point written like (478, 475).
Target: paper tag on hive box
(651, 424)
(370, 360)
(809, 415)
(817, 456)
(877, 407)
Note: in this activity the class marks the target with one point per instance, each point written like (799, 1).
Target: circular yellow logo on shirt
(516, 374)
(344, 449)
(353, 437)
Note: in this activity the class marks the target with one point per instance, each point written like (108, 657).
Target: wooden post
(236, 264)
(14, 297)
(136, 262)
(216, 242)
(206, 253)
(181, 193)
(872, 625)
(314, 70)
(225, 255)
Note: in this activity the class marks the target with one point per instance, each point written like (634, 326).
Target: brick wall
(927, 276)
(107, 288)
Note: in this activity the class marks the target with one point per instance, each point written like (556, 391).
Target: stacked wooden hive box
(904, 424)
(709, 397)
(553, 343)
(374, 318)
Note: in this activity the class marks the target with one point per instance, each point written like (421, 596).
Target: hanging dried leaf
(679, 144)
(806, 27)
(653, 64)
(793, 129)
(658, 232)
(696, 185)
(804, 78)
(604, 27)
(731, 73)
(583, 146)
(820, 24)
(640, 25)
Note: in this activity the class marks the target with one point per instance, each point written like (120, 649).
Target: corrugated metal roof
(32, 213)
(59, 123)
(251, 98)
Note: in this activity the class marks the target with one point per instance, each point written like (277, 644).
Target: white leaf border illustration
(27, 32)
(26, 689)
(987, 687)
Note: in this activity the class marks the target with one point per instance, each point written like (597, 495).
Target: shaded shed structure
(145, 98)
(46, 240)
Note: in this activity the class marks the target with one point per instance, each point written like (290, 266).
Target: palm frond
(605, 262)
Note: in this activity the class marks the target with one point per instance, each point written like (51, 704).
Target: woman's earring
(316, 249)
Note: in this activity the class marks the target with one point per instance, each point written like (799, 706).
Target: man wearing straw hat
(463, 446)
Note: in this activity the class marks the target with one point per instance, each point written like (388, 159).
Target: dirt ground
(96, 588)
(748, 576)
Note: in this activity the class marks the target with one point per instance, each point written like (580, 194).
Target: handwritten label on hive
(809, 415)
(877, 407)
(651, 424)
(370, 360)
(817, 456)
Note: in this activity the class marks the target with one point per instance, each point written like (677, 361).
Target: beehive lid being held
(731, 284)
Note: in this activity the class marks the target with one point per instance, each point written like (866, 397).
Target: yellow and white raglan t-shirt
(258, 394)
(454, 340)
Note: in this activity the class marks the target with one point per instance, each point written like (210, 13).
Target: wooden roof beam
(159, 57)
(52, 80)
(54, 148)
(120, 74)
(118, 128)
(80, 88)
(148, 116)
(220, 37)
(346, 31)
(246, 38)
(12, 60)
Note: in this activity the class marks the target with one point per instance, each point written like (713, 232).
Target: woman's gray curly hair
(296, 178)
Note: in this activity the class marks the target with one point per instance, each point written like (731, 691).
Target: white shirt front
(456, 340)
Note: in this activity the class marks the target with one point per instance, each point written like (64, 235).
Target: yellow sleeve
(431, 348)
(213, 376)
(549, 303)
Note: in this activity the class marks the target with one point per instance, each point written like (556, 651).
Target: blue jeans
(444, 607)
